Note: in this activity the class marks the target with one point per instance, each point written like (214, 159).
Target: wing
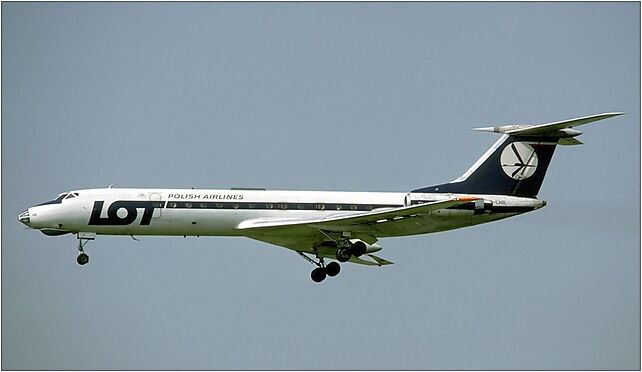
(359, 222)
(320, 235)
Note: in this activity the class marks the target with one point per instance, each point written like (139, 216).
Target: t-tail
(516, 164)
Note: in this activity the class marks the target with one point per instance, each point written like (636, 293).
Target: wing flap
(569, 141)
(373, 261)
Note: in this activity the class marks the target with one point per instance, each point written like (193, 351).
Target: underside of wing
(316, 243)
(320, 236)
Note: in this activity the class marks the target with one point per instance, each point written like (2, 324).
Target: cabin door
(156, 197)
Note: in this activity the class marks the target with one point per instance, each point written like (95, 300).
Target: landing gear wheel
(343, 254)
(318, 274)
(332, 269)
(82, 259)
(358, 248)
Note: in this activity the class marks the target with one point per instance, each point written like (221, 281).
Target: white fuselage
(190, 212)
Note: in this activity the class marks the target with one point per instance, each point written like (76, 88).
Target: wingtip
(611, 114)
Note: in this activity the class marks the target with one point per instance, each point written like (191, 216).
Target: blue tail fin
(516, 164)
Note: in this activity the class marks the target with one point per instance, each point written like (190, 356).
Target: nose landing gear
(83, 239)
(82, 259)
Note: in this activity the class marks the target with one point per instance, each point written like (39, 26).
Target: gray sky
(357, 96)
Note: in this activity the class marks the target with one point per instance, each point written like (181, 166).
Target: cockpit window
(66, 195)
(60, 197)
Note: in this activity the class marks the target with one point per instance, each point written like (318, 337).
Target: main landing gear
(344, 250)
(343, 254)
(347, 249)
(331, 269)
(322, 270)
(83, 239)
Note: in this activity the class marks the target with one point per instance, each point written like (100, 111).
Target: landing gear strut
(322, 270)
(83, 239)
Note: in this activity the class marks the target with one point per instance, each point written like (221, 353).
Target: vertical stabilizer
(517, 163)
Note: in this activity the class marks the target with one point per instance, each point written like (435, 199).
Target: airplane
(319, 225)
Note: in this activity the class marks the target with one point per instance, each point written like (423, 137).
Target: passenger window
(188, 205)
(320, 207)
(283, 206)
(269, 206)
(219, 205)
(353, 207)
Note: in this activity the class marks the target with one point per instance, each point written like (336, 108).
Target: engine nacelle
(359, 247)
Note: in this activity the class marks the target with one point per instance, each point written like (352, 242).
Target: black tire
(332, 269)
(318, 275)
(82, 259)
(343, 254)
(358, 248)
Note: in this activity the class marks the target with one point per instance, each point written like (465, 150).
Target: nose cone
(24, 218)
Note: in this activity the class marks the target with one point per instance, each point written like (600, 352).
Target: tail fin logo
(519, 160)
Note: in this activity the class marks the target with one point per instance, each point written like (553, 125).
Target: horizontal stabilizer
(558, 129)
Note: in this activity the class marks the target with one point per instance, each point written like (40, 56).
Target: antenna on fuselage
(109, 187)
